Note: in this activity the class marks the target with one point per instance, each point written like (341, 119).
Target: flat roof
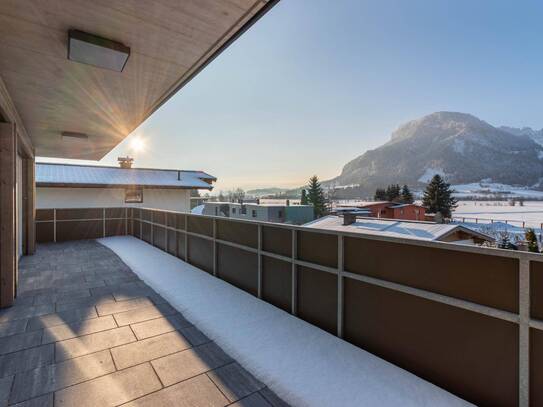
(69, 175)
(393, 228)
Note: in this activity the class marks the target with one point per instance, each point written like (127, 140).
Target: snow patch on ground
(429, 173)
(301, 363)
(485, 189)
(459, 146)
(531, 213)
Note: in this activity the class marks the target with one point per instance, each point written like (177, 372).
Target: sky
(315, 83)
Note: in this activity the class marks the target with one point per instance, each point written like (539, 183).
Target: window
(243, 210)
(133, 195)
(254, 213)
(216, 211)
(280, 214)
(234, 211)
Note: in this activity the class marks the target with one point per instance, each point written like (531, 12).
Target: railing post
(214, 247)
(524, 332)
(152, 228)
(186, 238)
(259, 254)
(55, 225)
(141, 224)
(126, 221)
(103, 222)
(294, 273)
(340, 264)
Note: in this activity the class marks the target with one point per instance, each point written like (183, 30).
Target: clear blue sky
(316, 83)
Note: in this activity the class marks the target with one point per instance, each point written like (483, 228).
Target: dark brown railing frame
(357, 264)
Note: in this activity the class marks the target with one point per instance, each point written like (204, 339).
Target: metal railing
(482, 305)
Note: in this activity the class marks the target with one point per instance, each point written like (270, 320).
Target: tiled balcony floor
(85, 331)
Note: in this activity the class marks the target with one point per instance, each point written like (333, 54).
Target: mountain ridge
(459, 146)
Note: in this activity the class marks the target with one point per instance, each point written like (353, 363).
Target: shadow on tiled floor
(86, 331)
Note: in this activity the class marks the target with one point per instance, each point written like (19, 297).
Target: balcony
(85, 330)
(467, 319)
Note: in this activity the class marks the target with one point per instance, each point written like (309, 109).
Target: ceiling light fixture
(74, 136)
(91, 49)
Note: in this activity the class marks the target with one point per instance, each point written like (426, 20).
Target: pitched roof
(393, 228)
(48, 174)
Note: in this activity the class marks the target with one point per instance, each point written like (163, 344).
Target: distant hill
(265, 191)
(459, 146)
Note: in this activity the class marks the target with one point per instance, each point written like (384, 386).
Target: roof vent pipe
(349, 218)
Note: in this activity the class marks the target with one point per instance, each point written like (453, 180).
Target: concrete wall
(169, 199)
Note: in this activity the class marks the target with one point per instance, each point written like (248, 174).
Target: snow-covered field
(531, 212)
(488, 189)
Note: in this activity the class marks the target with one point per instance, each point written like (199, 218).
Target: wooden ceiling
(170, 41)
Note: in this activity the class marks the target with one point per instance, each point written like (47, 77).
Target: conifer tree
(315, 196)
(438, 197)
(393, 193)
(303, 199)
(406, 196)
(380, 195)
(531, 239)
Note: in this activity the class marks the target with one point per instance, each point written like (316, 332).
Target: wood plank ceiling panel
(169, 41)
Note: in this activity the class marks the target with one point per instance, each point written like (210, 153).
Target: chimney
(125, 162)
(349, 218)
(288, 202)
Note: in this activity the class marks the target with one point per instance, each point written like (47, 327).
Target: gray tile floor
(85, 331)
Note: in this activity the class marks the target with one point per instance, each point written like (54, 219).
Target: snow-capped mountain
(459, 146)
(535, 135)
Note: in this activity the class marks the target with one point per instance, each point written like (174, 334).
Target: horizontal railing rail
(469, 319)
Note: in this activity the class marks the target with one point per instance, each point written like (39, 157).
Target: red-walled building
(393, 210)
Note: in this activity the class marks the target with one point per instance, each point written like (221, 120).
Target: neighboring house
(292, 214)
(438, 232)
(85, 186)
(389, 210)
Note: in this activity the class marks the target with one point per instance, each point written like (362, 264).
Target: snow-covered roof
(393, 228)
(86, 175)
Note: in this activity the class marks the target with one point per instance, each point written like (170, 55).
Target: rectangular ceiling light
(93, 50)
(72, 136)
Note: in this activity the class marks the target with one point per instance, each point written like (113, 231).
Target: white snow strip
(304, 365)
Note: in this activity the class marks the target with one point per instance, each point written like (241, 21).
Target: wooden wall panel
(277, 282)
(45, 232)
(200, 225)
(536, 367)
(181, 245)
(8, 222)
(469, 354)
(319, 248)
(200, 253)
(80, 214)
(115, 227)
(277, 240)
(237, 232)
(238, 267)
(536, 290)
(159, 217)
(171, 242)
(45, 214)
(146, 232)
(79, 230)
(448, 272)
(317, 298)
(159, 237)
(115, 212)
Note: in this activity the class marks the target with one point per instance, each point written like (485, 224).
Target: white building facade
(76, 186)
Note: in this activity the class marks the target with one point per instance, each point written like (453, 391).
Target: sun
(137, 144)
